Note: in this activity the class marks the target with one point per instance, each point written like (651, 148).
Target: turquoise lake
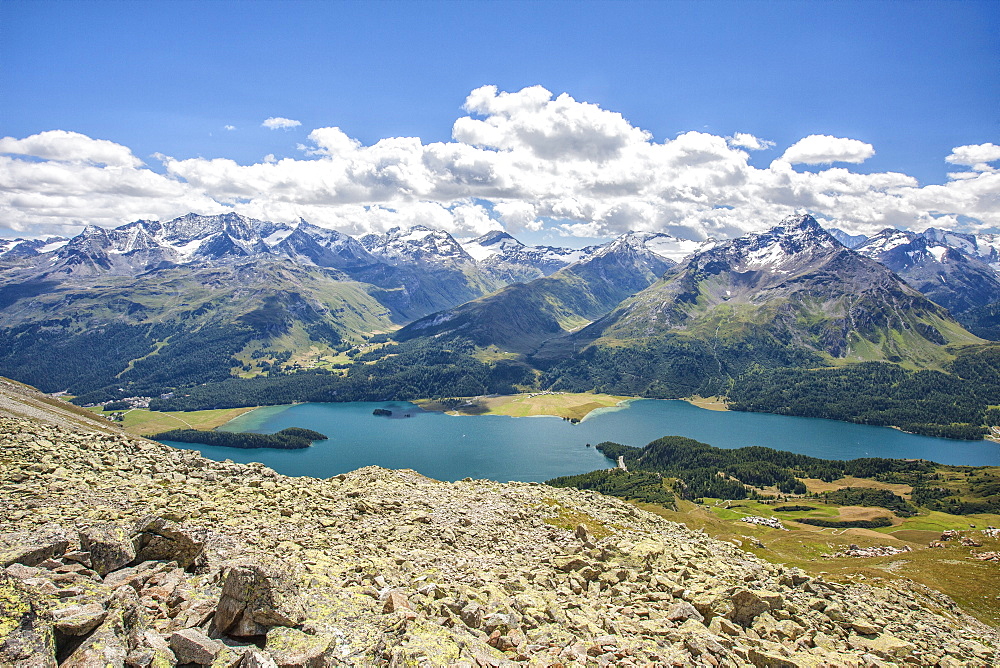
(502, 448)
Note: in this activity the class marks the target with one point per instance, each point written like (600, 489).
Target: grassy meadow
(571, 406)
(143, 422)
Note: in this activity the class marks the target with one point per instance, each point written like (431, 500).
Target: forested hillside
(689, 469)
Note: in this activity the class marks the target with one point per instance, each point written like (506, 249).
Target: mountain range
(795, 284)
(198, 299)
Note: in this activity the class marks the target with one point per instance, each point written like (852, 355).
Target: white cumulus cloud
(518, 160)
(824, 150)
(975, 156)
(972, 154)
(530, 119)
(279, 123)
(748, 141)
(71, 147)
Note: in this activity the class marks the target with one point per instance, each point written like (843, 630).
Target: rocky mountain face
(948, 268)
(412, 272)
(512, 261)
(985, 247)
(117, 551)
(849, 240)
(520, 317)
(796, 285)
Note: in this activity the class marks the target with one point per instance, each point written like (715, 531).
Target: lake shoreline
(443, 447)
(575, 407)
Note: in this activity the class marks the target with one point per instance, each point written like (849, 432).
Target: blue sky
(912, 79)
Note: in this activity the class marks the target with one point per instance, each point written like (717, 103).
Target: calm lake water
(503, 448)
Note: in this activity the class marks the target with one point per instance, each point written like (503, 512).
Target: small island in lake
(383, 412)
(287, 439)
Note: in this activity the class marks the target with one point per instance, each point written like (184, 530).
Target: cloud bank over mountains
(523, 160)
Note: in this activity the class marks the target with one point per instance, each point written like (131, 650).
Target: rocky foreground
(124, 552)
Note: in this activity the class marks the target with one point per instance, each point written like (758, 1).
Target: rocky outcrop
(258, 594)
(152, 556)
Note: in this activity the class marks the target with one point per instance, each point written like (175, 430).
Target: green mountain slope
(794, 288)
(518, 318)
(178, 325)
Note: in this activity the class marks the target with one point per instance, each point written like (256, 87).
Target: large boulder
(254, 658)
(747, 604)
(151, 650)
(26, 637)
(110, 547)
(160, 539)
(193, 646)
(79, 620)
(32, 547)
(258, 594)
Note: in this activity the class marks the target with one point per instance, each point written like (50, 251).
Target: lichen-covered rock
(116, 638)
(31, 548)
(681, 611)
(746, 606)
(160, 539)
(193, 646)
(258, 594)
(79, 620)
(291, 648)
(105, 647)
(110, 547)
(152, 651)
(26, 637)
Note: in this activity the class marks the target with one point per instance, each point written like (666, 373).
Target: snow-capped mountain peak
(23, 248)
(885, 241)
(492, 244)
(665, 245)
(416, 244)
(796, 241)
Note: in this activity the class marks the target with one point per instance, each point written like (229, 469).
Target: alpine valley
(226, 311)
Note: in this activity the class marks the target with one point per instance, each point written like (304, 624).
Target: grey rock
(258, 594)
(152, 651)
(193, 646)
(291, 648)
(79, 556)
(472, 615)
(110, 547)
(746, 606)
(31, 548)
(106, 647)
(254, 658)
(764, 658)
(79, 620)
(160, 539)
(681, 611)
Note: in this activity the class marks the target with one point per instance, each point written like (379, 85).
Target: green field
(951, 570)
(141, 421)
(572, 406)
